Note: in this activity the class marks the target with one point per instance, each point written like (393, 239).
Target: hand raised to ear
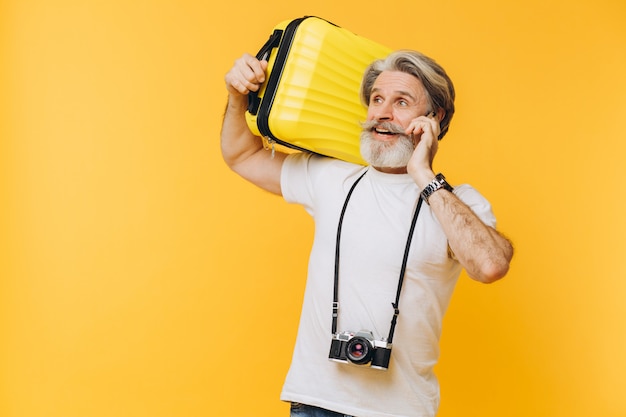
(425, 133)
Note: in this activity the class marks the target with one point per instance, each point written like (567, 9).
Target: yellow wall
(140, 277)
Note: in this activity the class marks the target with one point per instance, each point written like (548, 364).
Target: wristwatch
(437, 184)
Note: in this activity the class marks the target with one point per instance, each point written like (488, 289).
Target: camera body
(360, 348)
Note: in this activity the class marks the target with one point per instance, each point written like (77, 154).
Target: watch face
(436, 184)
(443, 183)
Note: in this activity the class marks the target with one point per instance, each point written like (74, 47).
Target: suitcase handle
(264, 53)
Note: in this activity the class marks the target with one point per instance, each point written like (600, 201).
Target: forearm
(237, 141)
(243, 151)
(482, 250)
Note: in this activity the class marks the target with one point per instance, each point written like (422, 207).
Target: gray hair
(438, 85)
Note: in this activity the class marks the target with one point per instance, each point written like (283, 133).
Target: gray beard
(379, 154)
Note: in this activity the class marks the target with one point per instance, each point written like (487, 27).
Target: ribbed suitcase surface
(310, 100)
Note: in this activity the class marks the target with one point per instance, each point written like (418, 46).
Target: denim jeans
(303, 410)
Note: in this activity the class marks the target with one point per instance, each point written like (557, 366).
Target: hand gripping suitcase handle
(264, 53)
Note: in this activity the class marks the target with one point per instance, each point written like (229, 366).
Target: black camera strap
(395, 304)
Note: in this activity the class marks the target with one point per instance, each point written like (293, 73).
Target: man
(363, 274)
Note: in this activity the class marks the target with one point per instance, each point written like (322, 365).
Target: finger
(237, 82)
(417, 127)
(246, 75)
(435, 123)
(241, 87)
(422, 125)
(255, 69)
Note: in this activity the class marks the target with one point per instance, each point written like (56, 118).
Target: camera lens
(359, 350)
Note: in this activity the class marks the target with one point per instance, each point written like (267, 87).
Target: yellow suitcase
(310, 99)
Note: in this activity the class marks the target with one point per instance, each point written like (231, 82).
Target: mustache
(370, 125)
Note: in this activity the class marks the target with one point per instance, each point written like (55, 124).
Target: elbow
(494, 268)
(494, 263)
(493, 272)
(497, 266)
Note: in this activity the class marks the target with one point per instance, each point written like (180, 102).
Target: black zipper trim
(273, 81)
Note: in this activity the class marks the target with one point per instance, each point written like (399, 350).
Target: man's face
(397, 98)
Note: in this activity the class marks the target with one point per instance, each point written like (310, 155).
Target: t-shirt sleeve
(295, 180)
(477, 203)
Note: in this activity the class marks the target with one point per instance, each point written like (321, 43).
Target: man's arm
(482, 250)
(242, 151)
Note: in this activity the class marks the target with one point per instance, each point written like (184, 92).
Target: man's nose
(384, 112)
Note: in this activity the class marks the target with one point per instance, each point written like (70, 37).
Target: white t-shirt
(373, 239)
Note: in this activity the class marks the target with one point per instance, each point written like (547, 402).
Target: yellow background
(140, 277)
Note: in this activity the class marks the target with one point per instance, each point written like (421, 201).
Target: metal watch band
(437, 184)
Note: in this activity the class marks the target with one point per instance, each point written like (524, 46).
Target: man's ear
(441, 113)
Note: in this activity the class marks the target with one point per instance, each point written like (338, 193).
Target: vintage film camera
(360, 348)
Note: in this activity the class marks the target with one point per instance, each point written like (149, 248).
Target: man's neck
(388, 170)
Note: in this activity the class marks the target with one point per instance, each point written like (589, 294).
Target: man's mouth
(384, 131)
(387, 132)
